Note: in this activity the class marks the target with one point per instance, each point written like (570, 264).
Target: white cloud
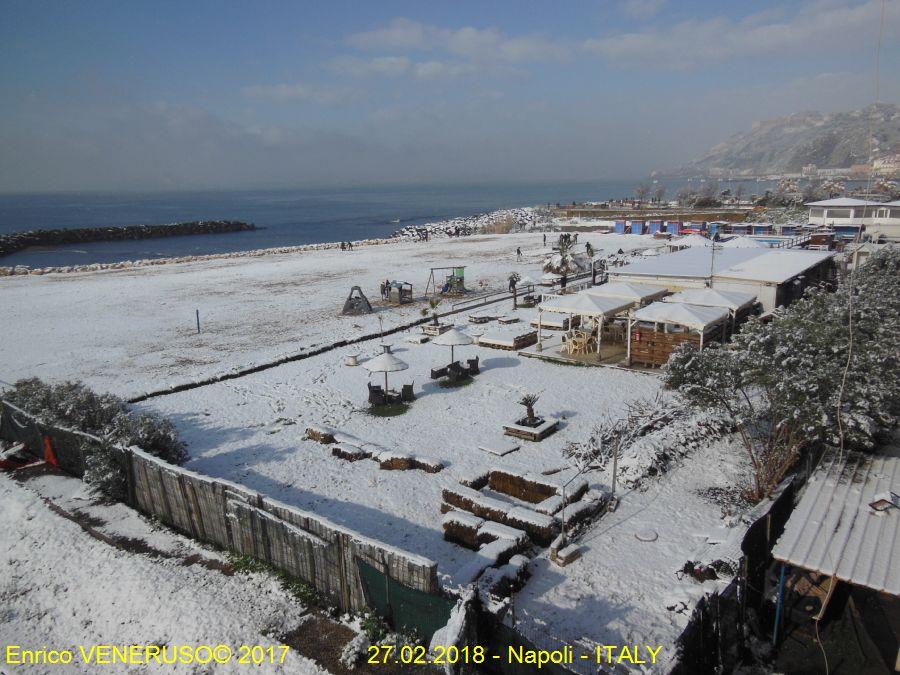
(642, 9)
(484, 45)
(391, 66)
(435, 70)
(816, 26)
(295, 92)
(396, 66)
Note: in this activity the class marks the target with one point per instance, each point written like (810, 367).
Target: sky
(172, 95)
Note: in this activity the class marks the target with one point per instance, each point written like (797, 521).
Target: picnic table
(456, 371)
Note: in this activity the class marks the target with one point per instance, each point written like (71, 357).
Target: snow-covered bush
(72, 405)
(796, 380)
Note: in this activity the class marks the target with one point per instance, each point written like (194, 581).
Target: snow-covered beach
(133, 330)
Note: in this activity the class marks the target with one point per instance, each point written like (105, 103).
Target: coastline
(461, 226)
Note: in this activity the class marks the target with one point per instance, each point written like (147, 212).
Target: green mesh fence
(405, 608)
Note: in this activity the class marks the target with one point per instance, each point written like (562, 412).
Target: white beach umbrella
(453, 338)
(385, 363)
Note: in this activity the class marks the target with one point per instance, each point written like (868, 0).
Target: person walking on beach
(382, 290)
(545, 239)
(343, 246)
(518, 254)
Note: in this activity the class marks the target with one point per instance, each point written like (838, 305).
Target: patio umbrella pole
(385, 382)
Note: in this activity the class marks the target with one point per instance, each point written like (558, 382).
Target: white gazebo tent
(385, 363)
(736, 303)
(584, 305)
(638, 294)
(695, 318)
(453, 338)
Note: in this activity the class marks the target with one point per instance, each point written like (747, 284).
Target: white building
(845, 213)
(775, 276)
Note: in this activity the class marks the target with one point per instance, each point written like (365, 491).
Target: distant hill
(787, 144)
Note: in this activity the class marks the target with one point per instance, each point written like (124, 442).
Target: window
(839, 213)
(816, 212)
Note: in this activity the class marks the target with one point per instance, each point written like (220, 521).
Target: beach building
(849, 217)
(656, 330)
(774, 276)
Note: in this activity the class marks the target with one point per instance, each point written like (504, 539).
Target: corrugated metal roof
(833, 530)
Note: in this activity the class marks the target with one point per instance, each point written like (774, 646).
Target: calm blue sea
(287, 218)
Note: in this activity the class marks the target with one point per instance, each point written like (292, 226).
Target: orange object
(49, 455)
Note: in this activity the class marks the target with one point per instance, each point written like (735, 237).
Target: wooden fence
(230, 516)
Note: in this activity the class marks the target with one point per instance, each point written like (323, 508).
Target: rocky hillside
(787, 144)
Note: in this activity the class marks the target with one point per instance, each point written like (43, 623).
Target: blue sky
(174, 95)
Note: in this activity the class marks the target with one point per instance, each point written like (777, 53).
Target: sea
(284, 217)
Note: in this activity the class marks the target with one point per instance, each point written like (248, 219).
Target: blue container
(655, 226)
(620, 227)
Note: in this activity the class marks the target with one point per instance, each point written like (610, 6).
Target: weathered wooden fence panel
(229, 515)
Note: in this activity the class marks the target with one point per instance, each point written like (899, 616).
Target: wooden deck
(610, 354)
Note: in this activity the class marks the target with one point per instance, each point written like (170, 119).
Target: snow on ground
(133, 330)
(251, 430)
(61, 588)
(620, 591)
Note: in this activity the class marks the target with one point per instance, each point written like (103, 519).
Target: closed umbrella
(385, 363)
(453, 338)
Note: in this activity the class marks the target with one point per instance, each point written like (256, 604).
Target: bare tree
(659, 193)
(641, 192)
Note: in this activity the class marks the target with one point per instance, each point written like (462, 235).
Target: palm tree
(564, 261)
(433, 303)
(528, 400)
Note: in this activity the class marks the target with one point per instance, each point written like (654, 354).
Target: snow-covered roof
(585, 305)
(622, 289)
(833, 530)
(453, 338)
(711, 297)
(692, 240)
(842, 201)
(744, 242)
(681, 314)
(385, 363)
(773, 265)
(756, 264)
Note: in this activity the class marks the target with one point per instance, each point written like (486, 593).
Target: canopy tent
(711, 297)
(453, 338)
(385, 363)
(695, 317)
(635, 293)
(744, 242)
(582, 304)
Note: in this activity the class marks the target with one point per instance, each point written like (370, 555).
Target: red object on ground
(49, 455)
